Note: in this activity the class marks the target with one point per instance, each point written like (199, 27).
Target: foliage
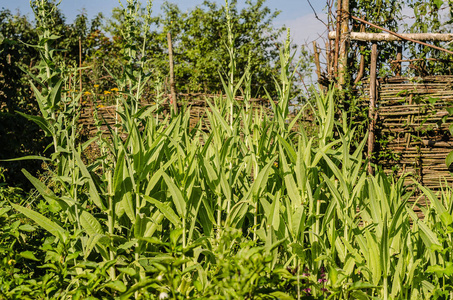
(385, 13)
(414, 16)
(17, 55)
(248, 206)
(430, 16)
(201, 35)
(104, 44)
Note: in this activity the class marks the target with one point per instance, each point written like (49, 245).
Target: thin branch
(316, 15)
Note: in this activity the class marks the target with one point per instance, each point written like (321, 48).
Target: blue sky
(295, 14)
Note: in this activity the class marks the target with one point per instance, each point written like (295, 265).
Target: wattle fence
(412, 128)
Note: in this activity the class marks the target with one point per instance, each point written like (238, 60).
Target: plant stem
(111, 220)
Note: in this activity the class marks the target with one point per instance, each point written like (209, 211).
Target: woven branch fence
(412, 122)
(107, 116)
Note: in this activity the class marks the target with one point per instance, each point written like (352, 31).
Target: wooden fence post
(317, 64)
(344, 43)
(399, 57)
(80, 67)
(337, 39)
(372, 107)
(172, 74)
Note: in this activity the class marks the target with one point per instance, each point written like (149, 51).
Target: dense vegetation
(249, 206)
(107, 45)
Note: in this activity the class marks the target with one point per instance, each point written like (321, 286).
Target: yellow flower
(114, 90)
(87, 93)
(96, 85)
(100, 106)
(106, 92)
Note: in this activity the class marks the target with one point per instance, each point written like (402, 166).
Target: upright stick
(399, 57)
(372, 108)
(80, 66)
(317, 62)
(172, 74)
(344, 42)
(337, 39)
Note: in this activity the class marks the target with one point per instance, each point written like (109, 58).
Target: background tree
(200, 39)
(17, 136)
(413, 16)
(430, 16)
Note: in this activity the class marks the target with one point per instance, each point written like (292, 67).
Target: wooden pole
(317, 63)
(402, 37)
(80, 66)
(372, 107)
(330, 60)
(399, 57)
(344, 43)
(362, 60)
(394, 37)
(337, 38)
(172, 74)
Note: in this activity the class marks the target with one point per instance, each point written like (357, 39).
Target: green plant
(244, 204)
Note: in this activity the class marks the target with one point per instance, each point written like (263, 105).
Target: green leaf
(427, 235)
(446, 218)
(177, 196)
(128, 244)
(450, 111)
(297, 249)
(116, 285)
(42, 189)
(438, 3)
(41, 122)
(4, 210)
(361, 285)
(29, 157)
(136, 287)
(92, 189)
(90, 224)
(128, 205)
(42, 101)
(359, 295)
(373, 259)
(290, 183)
(450, 128)
(28, 255)
(27, 228)
(261, 180)
(274, 214)
(119, 169)
(175, 234)
(449, 159)
(42, 221)
(93, 241)
(55, 94)
(128, 271)
(164, 208)
(281, 296)
(221, 121)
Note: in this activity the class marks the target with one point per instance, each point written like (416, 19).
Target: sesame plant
(246, 204)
